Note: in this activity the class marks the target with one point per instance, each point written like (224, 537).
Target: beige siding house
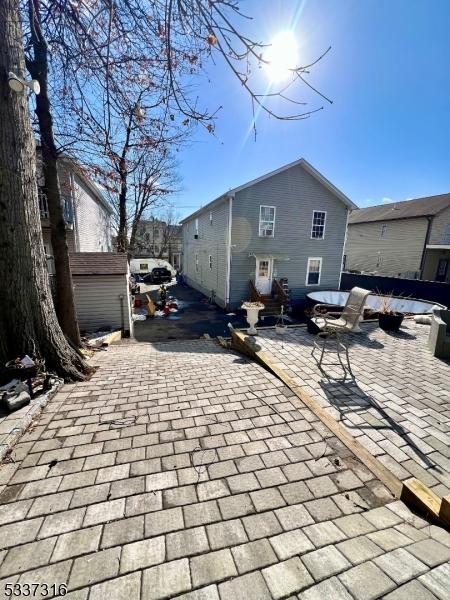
(408, 239)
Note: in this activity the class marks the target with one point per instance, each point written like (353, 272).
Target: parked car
(158, 275)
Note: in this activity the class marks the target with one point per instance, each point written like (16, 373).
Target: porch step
(271, 307)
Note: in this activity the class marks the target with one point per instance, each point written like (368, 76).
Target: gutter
(343, 249)
(228, 263)
(424, 251)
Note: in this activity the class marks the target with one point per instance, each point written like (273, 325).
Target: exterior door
(263, 276)
(441, 273)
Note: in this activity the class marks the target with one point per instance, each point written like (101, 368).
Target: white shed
(102, 297)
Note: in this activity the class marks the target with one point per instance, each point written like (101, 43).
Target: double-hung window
(313, 271)
(383, 230)
(210, 262)
(196, 262)
(266, 221)
(318, 224)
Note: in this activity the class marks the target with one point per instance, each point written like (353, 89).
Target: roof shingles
(407, 209)
(98, 263)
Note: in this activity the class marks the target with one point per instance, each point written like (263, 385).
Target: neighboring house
(157, 239)
(86, 212)
(289, 224)
(101, 291)
(408, 239)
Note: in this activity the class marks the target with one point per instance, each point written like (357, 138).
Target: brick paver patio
(399, 404)
(185, 470)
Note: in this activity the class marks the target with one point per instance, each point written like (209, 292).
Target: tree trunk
(38, 68)
(122, 236)
(27, 317)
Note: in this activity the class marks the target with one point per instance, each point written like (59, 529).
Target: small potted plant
(252, 309)
(311, 326)
(388, 318)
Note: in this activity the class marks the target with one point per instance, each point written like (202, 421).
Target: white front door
(263, 276)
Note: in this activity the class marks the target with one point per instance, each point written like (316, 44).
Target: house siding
(97, 301)
(439, 228)
(400, 250)
(92, 221)
(295, 194)
(212, 240)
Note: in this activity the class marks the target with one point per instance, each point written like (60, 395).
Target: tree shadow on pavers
(349, 399)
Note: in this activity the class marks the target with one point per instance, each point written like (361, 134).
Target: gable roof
(98, 263)
(407, 209)
(93, 186)
(300, 162)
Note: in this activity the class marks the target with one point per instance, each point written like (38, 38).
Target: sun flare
(281, 56)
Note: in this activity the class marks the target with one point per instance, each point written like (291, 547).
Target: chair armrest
(319, 307)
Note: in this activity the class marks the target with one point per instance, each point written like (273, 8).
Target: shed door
(263, 276)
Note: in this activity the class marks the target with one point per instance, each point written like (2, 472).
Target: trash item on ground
(231, 314)
(173, 310)
(166, 310)
(173, 305)
(139, 317)
(137, 303)
(24, 368)
(159, 313)
(16, 401)
(9, 386)
(422, 319)
(151, 307)
(27, 361)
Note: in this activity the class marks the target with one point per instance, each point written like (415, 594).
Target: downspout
(343, 248)
(424, 251)
(230, 217)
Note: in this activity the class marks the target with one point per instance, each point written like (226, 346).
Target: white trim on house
(262, 231)
(310, 259)
(228, 249)
(324, 212)
(438, 246)
(343, 249)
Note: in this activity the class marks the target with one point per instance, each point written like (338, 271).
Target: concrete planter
(252, 309)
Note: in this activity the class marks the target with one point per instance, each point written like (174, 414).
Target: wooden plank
(444, 512)
(416, 494)
(115, 336)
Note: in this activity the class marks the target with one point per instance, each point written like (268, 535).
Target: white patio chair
(333, 325)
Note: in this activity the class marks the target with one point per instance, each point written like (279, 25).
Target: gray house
(285, 229)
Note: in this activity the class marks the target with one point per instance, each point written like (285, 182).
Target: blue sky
(387, 134)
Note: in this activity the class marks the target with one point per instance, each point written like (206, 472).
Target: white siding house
(102, 298)
(86, 212)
